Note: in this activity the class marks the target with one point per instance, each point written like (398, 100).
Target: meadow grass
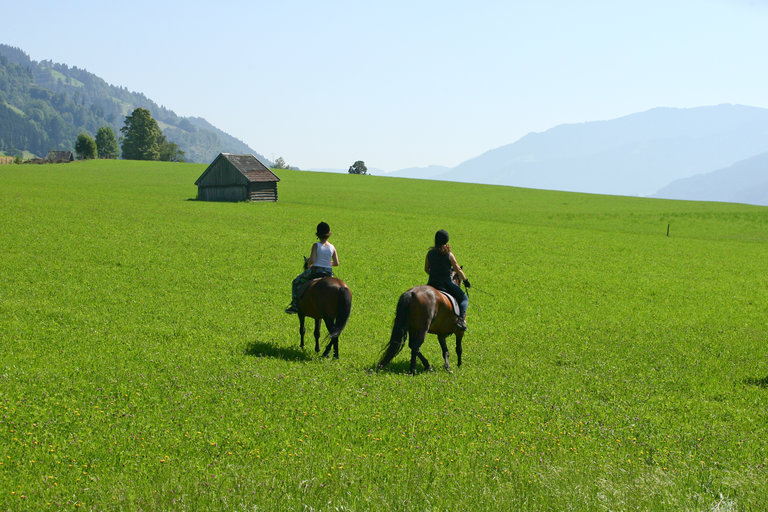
(147, 363)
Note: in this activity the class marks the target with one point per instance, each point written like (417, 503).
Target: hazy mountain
(45, 105)
(742, 182)
(424, 173)
(633, 155)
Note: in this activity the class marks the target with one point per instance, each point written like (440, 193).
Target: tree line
(36, 119)
(45, 105)
(141, 139)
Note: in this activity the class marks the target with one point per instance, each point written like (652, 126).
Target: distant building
(59, 157)
(237, 178)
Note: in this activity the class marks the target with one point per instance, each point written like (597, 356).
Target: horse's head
(306, 263)
(455, 276)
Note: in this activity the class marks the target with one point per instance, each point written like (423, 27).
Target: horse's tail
(344, 310)
(399, 330)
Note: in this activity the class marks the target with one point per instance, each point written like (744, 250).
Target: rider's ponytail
(442, 249)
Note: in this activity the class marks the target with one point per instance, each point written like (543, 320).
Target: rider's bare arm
(456, 266)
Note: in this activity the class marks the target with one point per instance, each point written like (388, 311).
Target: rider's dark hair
(443, 249)
(323, 230)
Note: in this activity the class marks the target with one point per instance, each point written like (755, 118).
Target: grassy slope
(147, 362)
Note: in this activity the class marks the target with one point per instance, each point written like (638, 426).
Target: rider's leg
(296, 286)
(463, 301)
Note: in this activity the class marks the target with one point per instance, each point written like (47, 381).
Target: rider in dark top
(439, 263)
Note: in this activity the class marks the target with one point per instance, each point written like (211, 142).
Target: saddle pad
(453, 302)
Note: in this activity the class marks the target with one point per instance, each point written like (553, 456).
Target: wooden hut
(59, 157)
(237, 178)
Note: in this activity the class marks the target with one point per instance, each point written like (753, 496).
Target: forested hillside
(45, 105)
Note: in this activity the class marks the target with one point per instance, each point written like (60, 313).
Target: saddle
(453, 301)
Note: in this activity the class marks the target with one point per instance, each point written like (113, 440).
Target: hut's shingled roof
(251, 167)
(259, 175)
(248, 165)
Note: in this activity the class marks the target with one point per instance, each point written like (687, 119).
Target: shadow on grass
(264, 349)
(761, 383)
(400, 366)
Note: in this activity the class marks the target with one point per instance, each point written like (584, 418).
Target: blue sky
(405, 83)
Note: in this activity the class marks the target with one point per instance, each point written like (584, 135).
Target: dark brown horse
(422, 310)
(330, 300)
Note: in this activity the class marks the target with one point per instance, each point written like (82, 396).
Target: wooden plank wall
(233, 193)
(262, 191)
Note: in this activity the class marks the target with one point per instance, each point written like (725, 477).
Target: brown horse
(330, 300)
(422, 310)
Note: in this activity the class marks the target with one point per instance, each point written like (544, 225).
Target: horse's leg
(413, 362)
(415, 340)
(424, 361)
(459, 336)
(317, 335)
(301, 329)
(334, 342)
(444, 348)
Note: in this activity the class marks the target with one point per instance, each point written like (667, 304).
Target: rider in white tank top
(324, 253)
(323, 257)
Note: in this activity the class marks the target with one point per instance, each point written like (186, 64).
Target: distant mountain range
(743, 182)
(664, 152)
(45, 105)
(426, 173)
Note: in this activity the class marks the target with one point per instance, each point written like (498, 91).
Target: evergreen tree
(141, 136)
(106, 142)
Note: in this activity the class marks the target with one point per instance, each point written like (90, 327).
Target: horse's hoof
(448, 369)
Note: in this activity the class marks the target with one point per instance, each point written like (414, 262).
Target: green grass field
(147, 364)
